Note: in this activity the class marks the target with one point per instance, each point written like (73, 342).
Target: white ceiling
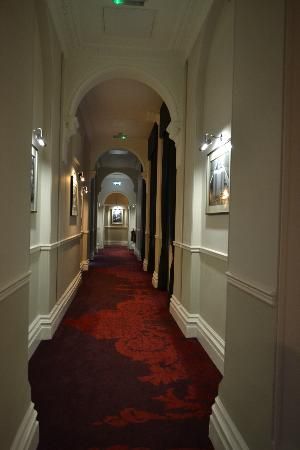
(115, 106)
(161, 25)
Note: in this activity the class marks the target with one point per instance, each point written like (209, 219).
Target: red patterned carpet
(118, 374)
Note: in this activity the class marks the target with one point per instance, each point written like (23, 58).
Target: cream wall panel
(14, 387)
(213, 292)
(116, 234)
(68, 265)
(16, 81)
(257, 137)
(249, 367)
(34, 286)
(254, 219)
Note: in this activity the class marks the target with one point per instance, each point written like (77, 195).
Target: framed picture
(74, 196)
(117, 216)
(33, 179)
(218, 181)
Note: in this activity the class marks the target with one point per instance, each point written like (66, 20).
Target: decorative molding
(35, 249)
(193, 325)
(84, 265)
(145, 265)
(85, 232)
(155, 280)
(222, 430)
(157, 236)
(199, 249)
(27, 437)
(45, 325)
(123, 243)
(14, 286)
(266, 296)
(53, 245)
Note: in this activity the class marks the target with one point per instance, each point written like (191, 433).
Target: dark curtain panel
(152, 156)
(143, 224)
(168, 203)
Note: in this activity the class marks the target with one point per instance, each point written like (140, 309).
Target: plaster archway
(119, 72)
(104, 150)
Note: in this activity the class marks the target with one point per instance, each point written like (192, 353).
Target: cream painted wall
(248, 386)
(209, 92)
(16, 78)
(54, 262)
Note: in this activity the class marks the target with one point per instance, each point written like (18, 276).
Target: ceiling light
(118, 152)
(117, 183)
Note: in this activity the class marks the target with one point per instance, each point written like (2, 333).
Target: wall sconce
(81, 176)
(84, 190)
(209, 139)
(38, 137)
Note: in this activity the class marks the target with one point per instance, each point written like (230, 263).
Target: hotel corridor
(118, 374)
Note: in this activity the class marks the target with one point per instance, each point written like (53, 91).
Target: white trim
(155, 280)
(193, 325)
(35, 249)
(53, 245)
(200, 249)
(7, 290)
(85, 232)
(145, 265)
(84, 265)
(137, 254)
(257, 291)
(123, 243)
(27, 437)
(44, 325)
(222, 430)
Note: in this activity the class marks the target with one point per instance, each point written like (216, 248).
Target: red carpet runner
(119, 375)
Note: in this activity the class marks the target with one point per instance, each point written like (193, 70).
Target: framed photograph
(33, 179)
(218, 181)
(74, 196)
(117, 216)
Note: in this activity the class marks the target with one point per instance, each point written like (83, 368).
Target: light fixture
(120, 135)
(209, 139)
(38, 137)
(117, 183)
(84, 190)
(129, 2)
(81, 176)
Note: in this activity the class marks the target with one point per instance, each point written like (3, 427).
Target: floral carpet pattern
(119, 374)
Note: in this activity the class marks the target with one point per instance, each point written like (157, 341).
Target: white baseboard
(137, 254)
(193, 325)
(84, 266)
(145, 265)
(27, 437)
(45, 325)
(222, 431)
(155, 280)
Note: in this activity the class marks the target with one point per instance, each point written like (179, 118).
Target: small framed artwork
(33, 179)
(74, 195)
(218, 180)
(117, 216)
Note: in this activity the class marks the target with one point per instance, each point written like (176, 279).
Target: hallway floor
(119, 374)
